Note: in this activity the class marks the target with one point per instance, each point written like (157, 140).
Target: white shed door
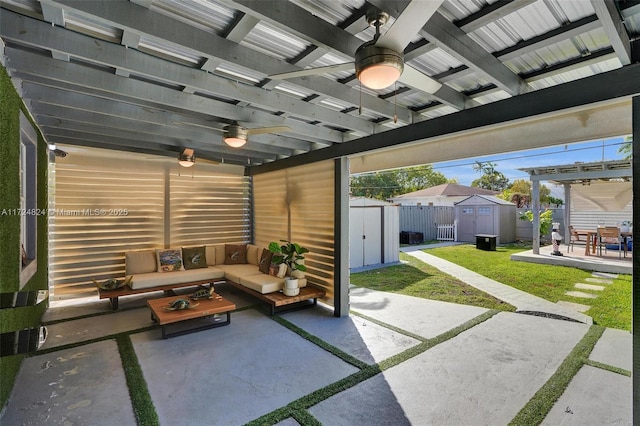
(365, 236)
(484, 220)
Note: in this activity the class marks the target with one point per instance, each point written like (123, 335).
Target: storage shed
(374, 232)
(486, 214)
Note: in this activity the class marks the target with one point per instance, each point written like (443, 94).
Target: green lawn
(612, 308)
(416, 278)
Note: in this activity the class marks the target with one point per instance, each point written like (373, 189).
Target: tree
(387, 184)
(519, 193)
(491, 178)
(626, 149)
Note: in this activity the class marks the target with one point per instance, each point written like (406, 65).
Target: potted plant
(290, 254)
(625, 226)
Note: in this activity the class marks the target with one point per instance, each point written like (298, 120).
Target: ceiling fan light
(378, 67)
(186, 160)
(235, 135)
(234, 142)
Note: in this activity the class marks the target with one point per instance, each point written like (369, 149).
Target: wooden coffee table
(206, 308)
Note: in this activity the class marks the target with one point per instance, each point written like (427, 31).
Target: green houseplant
(290, 254)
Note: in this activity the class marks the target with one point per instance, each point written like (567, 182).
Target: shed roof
(484, 200)
(447, 189)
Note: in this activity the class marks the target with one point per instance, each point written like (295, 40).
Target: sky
(509, 163)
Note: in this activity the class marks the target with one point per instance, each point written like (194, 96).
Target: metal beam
(241, 27)
(614, 29)
(96, 82)
(36, 33)
(458, 44)
(128, 16)
(491, 13)
(619, 83)
(82, 107)
(292, 18)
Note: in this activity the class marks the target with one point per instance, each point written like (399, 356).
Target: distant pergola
(614, 172)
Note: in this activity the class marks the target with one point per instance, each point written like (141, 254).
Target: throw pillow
(194, 257)
(235, 254)
(265, 261)
(278, 270)
(169, 260)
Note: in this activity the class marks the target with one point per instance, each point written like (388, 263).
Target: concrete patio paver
(79, 386)
(598, 281)
(594, 397)
(483, 376)
(521, 300)
(594, 287)
(233, 374)
(580, 294)
(614, 348)
(360, 338)
(578, 307)
(426, 318)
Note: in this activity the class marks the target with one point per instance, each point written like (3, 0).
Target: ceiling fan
(380, 62)
(236, 135)
(187, 158)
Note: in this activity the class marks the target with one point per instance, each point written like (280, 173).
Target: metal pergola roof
(156, 76)
(582, 173)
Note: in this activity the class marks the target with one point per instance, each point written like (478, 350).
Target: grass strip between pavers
(315, 397)
(535, 411)
(390, 327)
(608, 367)
(143, 407)
(321, 343)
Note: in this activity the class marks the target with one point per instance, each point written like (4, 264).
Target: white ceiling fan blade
(414, 78)
(313, 71)
(274, 129)
(408, 24)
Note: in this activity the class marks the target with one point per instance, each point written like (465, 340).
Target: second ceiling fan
(380, 62)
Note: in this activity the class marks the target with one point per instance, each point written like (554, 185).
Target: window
(28, 200)
(467, 210)
(484, 211)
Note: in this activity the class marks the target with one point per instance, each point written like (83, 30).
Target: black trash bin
(486, 242)
(411, 237)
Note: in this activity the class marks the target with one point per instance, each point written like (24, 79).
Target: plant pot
(624, 228)
(291, 287)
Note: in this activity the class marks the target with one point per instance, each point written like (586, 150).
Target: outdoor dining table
(592, 240)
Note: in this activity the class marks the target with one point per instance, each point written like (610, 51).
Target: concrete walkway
(521, 300)
(232, 375)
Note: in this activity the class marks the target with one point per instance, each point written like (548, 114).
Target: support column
(341, 238)
(636, 259)
(567, 212)
(535, 208)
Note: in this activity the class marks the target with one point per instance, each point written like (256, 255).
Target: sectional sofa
(243, 265)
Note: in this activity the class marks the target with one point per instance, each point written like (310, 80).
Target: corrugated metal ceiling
(282, 37)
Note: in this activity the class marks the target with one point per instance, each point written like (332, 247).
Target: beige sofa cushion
(210, 252)
(262, 283)
(154, 279)
(140, 262)
(234, 272)
(253, 254)
(266, 283)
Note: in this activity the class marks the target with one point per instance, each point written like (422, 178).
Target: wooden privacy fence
(426, 219)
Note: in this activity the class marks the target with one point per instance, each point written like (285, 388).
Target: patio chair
(609, 235)
(575, 238)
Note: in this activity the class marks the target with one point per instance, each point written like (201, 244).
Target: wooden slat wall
(210, 207)
(298, 204)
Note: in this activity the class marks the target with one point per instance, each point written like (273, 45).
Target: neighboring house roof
(484, 199)
(447, 189)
